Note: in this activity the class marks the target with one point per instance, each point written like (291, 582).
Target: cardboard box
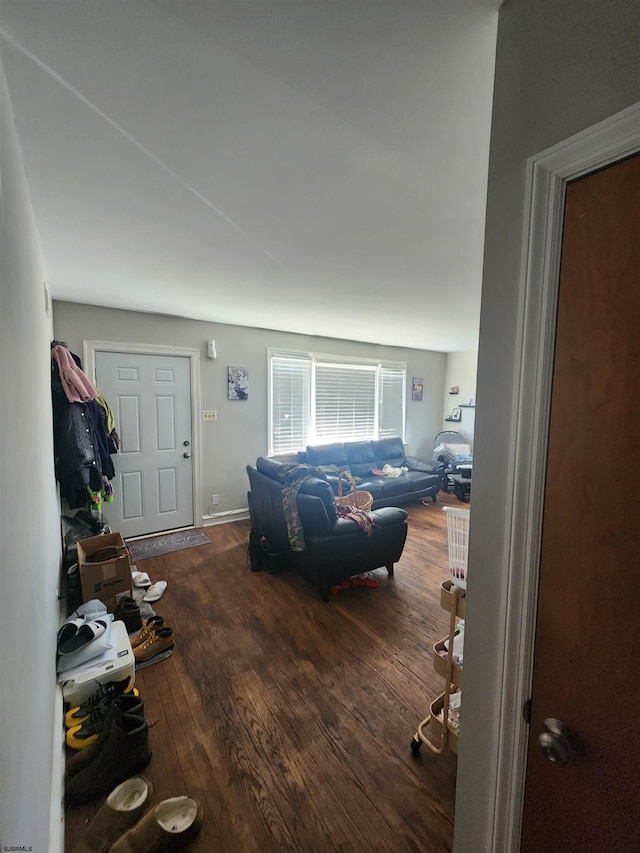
(79, 685)
(108, 580)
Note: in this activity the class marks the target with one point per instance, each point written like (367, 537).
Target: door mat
(143, 549)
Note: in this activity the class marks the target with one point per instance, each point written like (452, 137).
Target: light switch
(209, 415)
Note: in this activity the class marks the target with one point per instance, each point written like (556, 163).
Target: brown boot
(148, 629)
(122, 809)
(124, 753)
(161, 640)
(170, 826)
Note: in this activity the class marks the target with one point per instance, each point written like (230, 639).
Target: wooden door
(587, 648)
(151, 399)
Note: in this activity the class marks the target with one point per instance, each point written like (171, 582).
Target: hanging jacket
(82, 460)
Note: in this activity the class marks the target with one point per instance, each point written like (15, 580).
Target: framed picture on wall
(416, 388)
(238, 383)
(456, 414)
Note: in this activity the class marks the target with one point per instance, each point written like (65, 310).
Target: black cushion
(361, 457)
(318, 488)
(327, 454)
(387, 516)
(270, 467)
(389, 451)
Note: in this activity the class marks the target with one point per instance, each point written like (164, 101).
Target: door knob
(187, 455)
(560, 745)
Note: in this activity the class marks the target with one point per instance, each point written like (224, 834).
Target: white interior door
(151, 399)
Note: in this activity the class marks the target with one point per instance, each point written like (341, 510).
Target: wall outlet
(215, 500)
(209, 415)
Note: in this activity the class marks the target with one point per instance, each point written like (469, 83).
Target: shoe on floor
(122, 809)
(128, 611)
(82, 736)
(155, 592)
(159, 641)
(169, 826)
(76, 716)
(140, 579)
(81, 759)
(124, 751)
(148, 629)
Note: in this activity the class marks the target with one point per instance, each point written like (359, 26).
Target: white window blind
(290, 403)
(318, 399)
(345, 402)
(391, 391)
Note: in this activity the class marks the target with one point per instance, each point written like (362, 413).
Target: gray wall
(561, 66)
(239, 435)
(462, 370)
(30, 706)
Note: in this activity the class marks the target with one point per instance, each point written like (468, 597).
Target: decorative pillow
(443, 452)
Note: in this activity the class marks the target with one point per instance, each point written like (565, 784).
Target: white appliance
(113, 665)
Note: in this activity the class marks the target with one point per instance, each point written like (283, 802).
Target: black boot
(128, 611)
(124, 753)
(126, 703)
(87, 732)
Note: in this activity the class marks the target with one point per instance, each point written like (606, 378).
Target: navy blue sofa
(423, 479)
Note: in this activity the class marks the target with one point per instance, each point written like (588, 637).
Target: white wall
(562, 66)
(461, 371)
(30, 719)
(239, 435)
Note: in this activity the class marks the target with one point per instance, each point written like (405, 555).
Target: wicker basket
(358, 498)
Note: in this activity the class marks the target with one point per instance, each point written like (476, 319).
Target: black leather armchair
(333, 548)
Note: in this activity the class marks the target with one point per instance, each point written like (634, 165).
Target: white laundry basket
(458, 536)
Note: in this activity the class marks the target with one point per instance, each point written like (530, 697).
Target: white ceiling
(315, 166)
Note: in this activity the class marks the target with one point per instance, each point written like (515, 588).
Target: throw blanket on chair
(336, 470)
(293, 476)
(361, 518)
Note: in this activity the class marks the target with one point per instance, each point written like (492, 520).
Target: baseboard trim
(225, 517)
(56, 807)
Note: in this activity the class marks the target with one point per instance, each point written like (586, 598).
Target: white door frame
(89, 350)
(546, 178)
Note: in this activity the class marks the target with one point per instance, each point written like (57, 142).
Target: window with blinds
(290, 404)
(318, 399)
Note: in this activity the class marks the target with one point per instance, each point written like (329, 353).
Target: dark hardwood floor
(290, 718)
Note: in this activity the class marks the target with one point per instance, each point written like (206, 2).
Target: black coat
(80, 444)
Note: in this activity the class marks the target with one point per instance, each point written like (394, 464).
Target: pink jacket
(75, 384)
